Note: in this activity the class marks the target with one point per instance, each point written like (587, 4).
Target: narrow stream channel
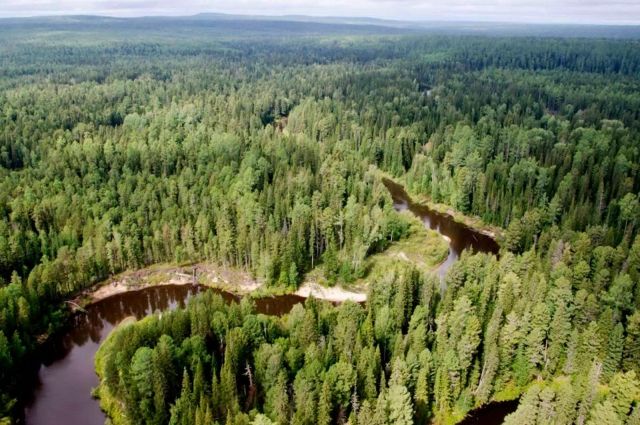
(62, 391)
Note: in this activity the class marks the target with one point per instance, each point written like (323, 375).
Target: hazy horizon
(618, 12)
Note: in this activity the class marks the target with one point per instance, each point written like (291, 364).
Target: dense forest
(266, 154)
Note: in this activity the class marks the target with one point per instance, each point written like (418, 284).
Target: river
(62, 388)
(460, 236)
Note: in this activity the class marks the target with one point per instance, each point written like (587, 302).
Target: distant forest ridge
(218, 23)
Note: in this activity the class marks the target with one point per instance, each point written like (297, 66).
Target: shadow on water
(490, 414)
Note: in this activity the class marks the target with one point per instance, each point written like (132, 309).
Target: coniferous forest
(262, 146)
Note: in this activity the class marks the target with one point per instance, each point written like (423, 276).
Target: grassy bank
(423, 248)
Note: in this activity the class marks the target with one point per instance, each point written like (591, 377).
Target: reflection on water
(63, 392)
(460, 236)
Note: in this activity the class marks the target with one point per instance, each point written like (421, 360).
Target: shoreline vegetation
(475, 223)
(108, 403)
(422, 247)
(112, 407)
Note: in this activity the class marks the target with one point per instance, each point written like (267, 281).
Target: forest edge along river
(62, 389)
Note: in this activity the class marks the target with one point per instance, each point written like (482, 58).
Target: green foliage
(400, 406)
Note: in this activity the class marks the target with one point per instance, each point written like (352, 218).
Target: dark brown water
(490, 414)
(62, 394)
(460, 236)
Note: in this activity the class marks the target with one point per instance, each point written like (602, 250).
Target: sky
(541, 11)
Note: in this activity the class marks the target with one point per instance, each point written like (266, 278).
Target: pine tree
(365, 414)
(547, 408)
(164, 376)
(141, 374)
(589, 348)
(423, 385)
(281, 402)
(566, 400)
(400, 405)
(182, 412)
(399, 373)
(215, 392)
(198, 381)
(228, 390)
(625, 389)
(604, 413)
(527, 411)
(381, 414)
(631, 356)
(324, 405)
(588, 390)
(613, 358)
(491, 360)
(559, 334)
(535, 340)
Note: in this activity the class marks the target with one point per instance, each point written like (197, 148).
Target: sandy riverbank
(225, 278)
(333, 294)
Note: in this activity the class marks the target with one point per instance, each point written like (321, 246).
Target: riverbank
(424, 248)
(108, 404)
(225, 278)
(473, 222)
(333, 294)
